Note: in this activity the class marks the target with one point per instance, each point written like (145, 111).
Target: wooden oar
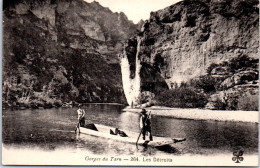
(139, 136)
(142, 129)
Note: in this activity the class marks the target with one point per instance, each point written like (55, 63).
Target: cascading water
(131, 86)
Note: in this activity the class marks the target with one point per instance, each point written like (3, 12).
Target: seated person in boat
(121, 133)
(145, 124)
(81, 117)
(118, 132)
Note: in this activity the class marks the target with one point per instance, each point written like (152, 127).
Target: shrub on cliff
(248, 102)
(182, 97)
(205, 82)
(220, 105)
(242, 62)
(197, 92)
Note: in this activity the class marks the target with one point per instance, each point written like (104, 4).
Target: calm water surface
(53, 129)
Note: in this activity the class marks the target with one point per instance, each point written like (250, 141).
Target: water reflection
(54, 128)
(210, 136)
(129, 121)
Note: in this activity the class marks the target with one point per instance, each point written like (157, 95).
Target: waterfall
(131, 86)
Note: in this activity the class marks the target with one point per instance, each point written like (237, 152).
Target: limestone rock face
(182, 42)
(140, 24)
(184, 39)
(151, 80)
(237, 89)
(83, 39)
(240, 97)
(239, 78)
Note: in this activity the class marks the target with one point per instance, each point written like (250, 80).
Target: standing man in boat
(81, 118)
(145, 124)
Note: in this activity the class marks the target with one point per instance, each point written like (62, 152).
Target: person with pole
(145, 124)
(81, 118)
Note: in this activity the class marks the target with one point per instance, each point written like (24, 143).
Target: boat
(105, 132)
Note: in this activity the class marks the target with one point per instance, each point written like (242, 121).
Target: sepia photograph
(130, 82)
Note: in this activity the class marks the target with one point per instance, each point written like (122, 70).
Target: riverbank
(49, 106)
(201, 114)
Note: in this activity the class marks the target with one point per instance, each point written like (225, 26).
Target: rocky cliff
(182, 41)
(191, 35)
(58, 51)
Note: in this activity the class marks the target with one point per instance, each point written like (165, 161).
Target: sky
(135, 10)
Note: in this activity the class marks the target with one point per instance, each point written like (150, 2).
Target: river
(53, 129)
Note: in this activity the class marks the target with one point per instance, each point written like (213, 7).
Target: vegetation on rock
(206, 51)
(62, 51)
(229, 85)
(65, 51)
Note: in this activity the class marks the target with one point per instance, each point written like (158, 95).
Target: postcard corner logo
(237, 156)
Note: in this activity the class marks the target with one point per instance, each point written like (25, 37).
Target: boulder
(236, 98)
(239, 78)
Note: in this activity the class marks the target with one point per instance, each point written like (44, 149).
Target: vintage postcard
(130, 83)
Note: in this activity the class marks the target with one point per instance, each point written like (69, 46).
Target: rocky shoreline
(201, 114)
(18, 106)
(6, 106)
